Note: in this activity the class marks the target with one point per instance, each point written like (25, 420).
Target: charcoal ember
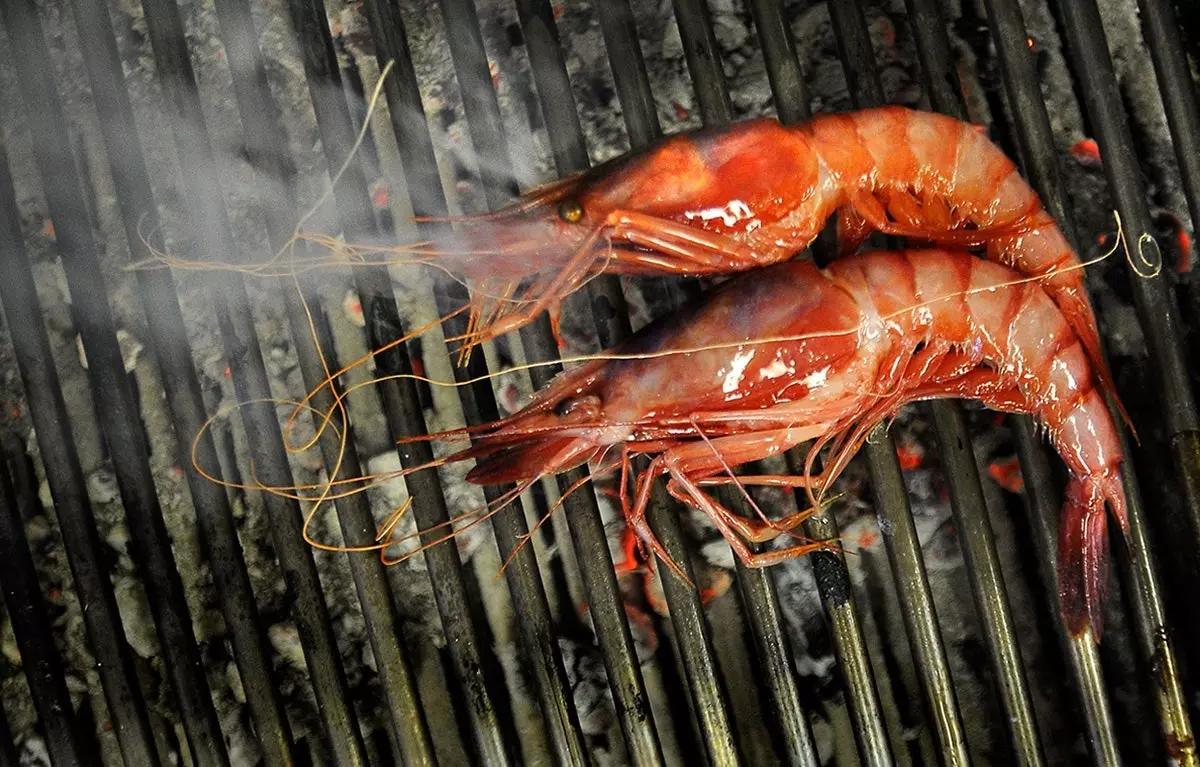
(811, 642)
(589, 685)
(102, 486)
(135, 615)
(8, 642)
(131, 350)
(34, 753)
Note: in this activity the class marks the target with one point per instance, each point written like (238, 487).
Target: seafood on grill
(756, 193)
(791, 353)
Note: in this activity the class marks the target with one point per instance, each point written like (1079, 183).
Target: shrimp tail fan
(1083, 556)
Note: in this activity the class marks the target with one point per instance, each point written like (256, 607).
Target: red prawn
(755, 193)
(791, 353)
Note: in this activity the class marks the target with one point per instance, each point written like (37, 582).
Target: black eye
(564, 408)
(570, 211)
(584, 406)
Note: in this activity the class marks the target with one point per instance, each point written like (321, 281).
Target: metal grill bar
(763, 613)
(604, 598)
(169, 338)
(904, 551)
(833, 579)
(958, 460)
(479, 403)
(983, 567)
(553, 86)
(410, 730)
(709, 701)
(117, 414)
(1159, 318)
(1161, 29)
(1039, 164)
(940, 74)
(8, 749)
(493, 739)
(791, 105)
(633, 86)
(903, 545)
(1156, 307)
(1081, 652)
(106, 636)
(610, 313)
(39, 659)
(703, 60)
(379, 308)
(779, 55)
(23, 476)
(1033, 132)
(756, 585)
(924, 634)
(311, 612)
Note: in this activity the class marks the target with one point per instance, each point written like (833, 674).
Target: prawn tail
(1083, 556)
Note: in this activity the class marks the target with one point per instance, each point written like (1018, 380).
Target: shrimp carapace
(755, 193)
(791, 353)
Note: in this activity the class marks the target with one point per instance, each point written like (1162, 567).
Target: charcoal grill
(706, 722)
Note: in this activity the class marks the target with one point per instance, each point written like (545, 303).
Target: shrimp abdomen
(923, 175)
(1058, 381)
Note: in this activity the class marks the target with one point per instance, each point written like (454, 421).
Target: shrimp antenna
(1143, 267)
(358, 142)
(551, 191)
(479, 514)
(331, 377)
(161, 259)
(527, 537)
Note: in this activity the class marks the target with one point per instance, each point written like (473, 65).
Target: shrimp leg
(549, 294)
(674, 248)
(753, 532)
(995, 390)
(875, 213)
(733, 527)
(908, 369)
(689, 458)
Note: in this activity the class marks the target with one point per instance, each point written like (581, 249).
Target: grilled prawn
(792, 353)
(756, 193)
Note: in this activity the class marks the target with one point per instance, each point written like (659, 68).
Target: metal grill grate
(489, 733)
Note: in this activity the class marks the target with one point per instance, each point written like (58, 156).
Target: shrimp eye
(570, 211)
(578, 406)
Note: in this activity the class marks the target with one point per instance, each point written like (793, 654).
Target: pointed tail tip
(1081, 599)
(1081, 625)
(1083, 561)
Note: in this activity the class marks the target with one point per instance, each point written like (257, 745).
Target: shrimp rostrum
(756, 193)
(790, 354)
